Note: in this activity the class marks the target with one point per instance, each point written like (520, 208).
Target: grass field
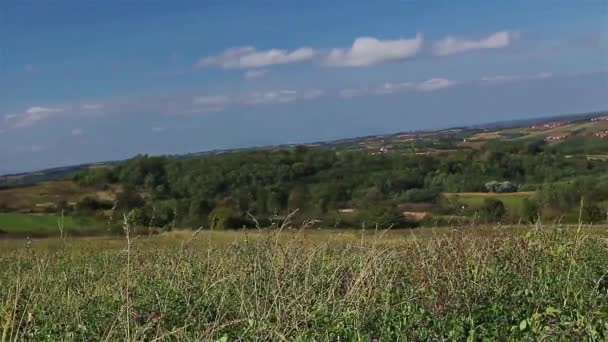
(46, 224)
(547, 283)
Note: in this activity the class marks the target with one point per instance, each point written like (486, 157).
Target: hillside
(418, 141)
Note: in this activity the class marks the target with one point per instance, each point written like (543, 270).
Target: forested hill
(322, 183)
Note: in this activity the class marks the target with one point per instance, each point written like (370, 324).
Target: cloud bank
(453, 45)
(367, 51)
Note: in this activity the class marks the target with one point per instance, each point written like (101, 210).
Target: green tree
(592, 213)
(530, 210)
(493, 210)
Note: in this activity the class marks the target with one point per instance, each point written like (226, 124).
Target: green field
(471, 284)
(46, 224)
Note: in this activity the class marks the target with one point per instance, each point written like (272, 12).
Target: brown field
(39, 197)
(486, 136)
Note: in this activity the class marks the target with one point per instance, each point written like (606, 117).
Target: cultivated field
(545, 283)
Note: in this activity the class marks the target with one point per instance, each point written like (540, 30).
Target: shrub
(530, 210)
(493, 210)
(501, 187)
(592, 213)
(228, 218)
(90, 204)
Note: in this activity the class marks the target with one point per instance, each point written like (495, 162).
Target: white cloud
(77, 132)
(515, 78)
(255, 74)
(8, 117)
(435, 84)
(34, 115)
(393, 88)
(158, 129)
(249, 57)
(452, 45)
(281, 96)
(273, 96)
(41, 110)
(367, 51)
(384, 89)
(92, 106)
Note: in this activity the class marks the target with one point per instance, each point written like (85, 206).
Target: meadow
(41, 225)
(485, 283)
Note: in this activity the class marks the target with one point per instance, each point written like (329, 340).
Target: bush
(493, 210)
(501, 187)
(129, 199)
(592, 213)
(90, 204)
(384, 217)
(421, 195)
(228, 218)
(530, 210)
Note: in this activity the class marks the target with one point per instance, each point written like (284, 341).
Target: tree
(500, 187)
(129, 199)
(530, 210)
(228, 218)
(90, 204)
(199, 210)
(592, 213)
(493, 210)
(383, 216)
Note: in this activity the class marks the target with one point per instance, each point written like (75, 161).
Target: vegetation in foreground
(543, 283)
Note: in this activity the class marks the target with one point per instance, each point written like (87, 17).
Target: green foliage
(129, 199)
(592, 213)
(500, 187)
(90, 204)
(387, 216)
(318, 181)
(530, 210)
(493, 210)
(98, 177)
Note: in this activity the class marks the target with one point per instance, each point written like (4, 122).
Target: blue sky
(84, 81)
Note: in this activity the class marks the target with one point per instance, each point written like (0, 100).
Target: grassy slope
(37, 197)
(546, 284)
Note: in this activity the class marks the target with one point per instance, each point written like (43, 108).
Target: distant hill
(27, 178)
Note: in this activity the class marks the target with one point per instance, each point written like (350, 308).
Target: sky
(85, 81)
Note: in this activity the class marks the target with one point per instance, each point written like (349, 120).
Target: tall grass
(545, 283)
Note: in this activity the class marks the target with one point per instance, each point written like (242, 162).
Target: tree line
(230, 190)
